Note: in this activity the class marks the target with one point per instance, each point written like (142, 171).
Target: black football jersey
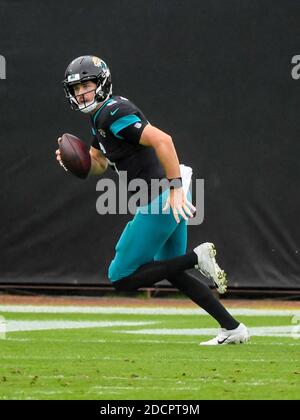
(117, 128)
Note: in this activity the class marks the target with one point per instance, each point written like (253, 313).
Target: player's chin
(88, 107)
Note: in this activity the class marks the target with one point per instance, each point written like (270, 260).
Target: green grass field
(108, 362)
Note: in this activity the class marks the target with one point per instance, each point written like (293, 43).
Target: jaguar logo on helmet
(97, 61)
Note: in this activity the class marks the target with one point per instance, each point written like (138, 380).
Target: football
(75, 155)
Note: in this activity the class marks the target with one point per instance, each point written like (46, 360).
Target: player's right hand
(58, 156)
(179, 204)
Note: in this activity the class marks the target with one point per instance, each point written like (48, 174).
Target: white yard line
(139, 310)
(279, 331)
(111, 341)
(290, 331)
(13, 326)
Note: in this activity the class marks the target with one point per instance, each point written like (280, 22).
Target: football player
(153, 245)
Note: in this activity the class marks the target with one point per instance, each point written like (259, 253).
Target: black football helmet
(82, 69)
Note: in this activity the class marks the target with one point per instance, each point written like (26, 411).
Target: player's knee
(120, 281)
(118, 271)
(113, 272)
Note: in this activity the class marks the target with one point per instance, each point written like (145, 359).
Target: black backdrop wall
(214, 74)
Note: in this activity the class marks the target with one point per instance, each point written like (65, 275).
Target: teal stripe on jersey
(122, 123)
(100, 109)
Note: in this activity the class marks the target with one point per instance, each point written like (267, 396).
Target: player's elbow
(153, 137)
(164, 142)
(168, 139)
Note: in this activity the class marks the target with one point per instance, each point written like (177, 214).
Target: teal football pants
(149, 237)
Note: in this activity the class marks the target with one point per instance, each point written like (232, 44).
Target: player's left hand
(179, 204)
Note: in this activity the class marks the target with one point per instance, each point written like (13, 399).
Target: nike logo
(114, 112)
(223, 341)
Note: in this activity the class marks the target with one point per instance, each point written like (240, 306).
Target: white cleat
(208, 266)
(238, 336)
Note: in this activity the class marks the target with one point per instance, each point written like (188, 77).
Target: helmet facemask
(84, 106)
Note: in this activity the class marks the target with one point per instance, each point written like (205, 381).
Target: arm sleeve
(133, 132)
